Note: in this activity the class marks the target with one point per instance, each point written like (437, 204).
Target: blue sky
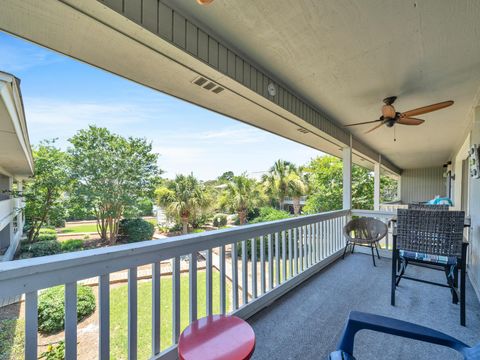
(62, 95)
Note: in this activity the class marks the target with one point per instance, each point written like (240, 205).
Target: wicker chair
(364, 232)
(433, 239)
(428, 207)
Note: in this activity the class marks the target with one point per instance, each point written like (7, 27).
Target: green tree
(241, 195)
(297, 186)
(276, 181)
(326, 185)
(44, 192)
(112, 174)
(183, 198)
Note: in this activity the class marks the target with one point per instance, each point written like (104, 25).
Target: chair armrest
(359, 321)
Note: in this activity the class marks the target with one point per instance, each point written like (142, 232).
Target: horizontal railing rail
(282, 254)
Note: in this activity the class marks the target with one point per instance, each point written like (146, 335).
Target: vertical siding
(160, 19)
(422, 184)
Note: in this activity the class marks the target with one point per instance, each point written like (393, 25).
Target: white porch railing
(291, 250)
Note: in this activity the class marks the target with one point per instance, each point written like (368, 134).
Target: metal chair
(358, 321)
(432, 239)
(366, 232)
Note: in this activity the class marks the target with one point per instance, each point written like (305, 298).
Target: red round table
(217, 337)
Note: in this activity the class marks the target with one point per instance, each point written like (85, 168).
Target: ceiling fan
(391, 117)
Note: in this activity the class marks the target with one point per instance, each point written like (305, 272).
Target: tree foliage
(44, 192)
(112, 174)
(184, 198)
(326, 186)
(241, 195)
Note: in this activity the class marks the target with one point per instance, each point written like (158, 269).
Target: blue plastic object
(359, 321)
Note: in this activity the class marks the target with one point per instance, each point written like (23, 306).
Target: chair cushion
(436, 259)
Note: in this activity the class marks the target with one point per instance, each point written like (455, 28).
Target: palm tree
(183, 198)
(241, 194)
(296, 188)
(276, 180)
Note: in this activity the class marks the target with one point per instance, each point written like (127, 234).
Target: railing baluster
(209, 287)
(305, 247)
(175, 299)
(300, 251)
(262, 265)
(132, 313)
(31, 325)
(320, 240)
(290, 260)
(223, 289)
(104, 317)
(295, 252)
(317, 242)
(310, 245)
(284, 256)
(234, 275)
(253, 259)
(71, 320)
(270, 262)
(277, 259)
(192, 287)
(330, 237)
(244, 273)
(155, 308)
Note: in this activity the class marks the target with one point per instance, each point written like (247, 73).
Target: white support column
(347, 177)
(399, 188)
(376, 187)
(20, 214)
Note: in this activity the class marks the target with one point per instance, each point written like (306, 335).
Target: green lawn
(12, 335)
(119, 311)
(74, 229)
(79, 229)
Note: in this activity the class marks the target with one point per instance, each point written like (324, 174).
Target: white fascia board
(13, 103)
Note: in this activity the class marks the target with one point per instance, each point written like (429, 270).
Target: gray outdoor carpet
(307, 322)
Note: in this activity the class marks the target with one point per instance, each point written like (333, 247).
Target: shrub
(175, 228)
(43, 248)
(51, 307)
(47, 234)
(220, 220)
(136, 229)
(54, 352)
(72, 245)
(270, 214)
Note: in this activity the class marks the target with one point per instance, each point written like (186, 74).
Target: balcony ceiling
(346, 56)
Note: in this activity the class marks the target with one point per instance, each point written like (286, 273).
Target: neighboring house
(16, 164)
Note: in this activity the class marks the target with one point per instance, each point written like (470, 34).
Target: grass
(119, 311)
(86, 228)
(79, 229)
(12, 335)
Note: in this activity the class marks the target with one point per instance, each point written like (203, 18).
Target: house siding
(171, 26)
(422, 184)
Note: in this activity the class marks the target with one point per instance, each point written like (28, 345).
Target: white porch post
(347, 177)
(376, 187)
(20, 214)
(399, 188)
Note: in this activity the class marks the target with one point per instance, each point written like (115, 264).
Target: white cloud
(14, 59)
(52, 112)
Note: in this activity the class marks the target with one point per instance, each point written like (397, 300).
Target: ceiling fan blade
(410, 121)
(427, 109)
(374, 128)
(363, 123)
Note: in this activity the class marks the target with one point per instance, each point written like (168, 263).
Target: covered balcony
(305, 71)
